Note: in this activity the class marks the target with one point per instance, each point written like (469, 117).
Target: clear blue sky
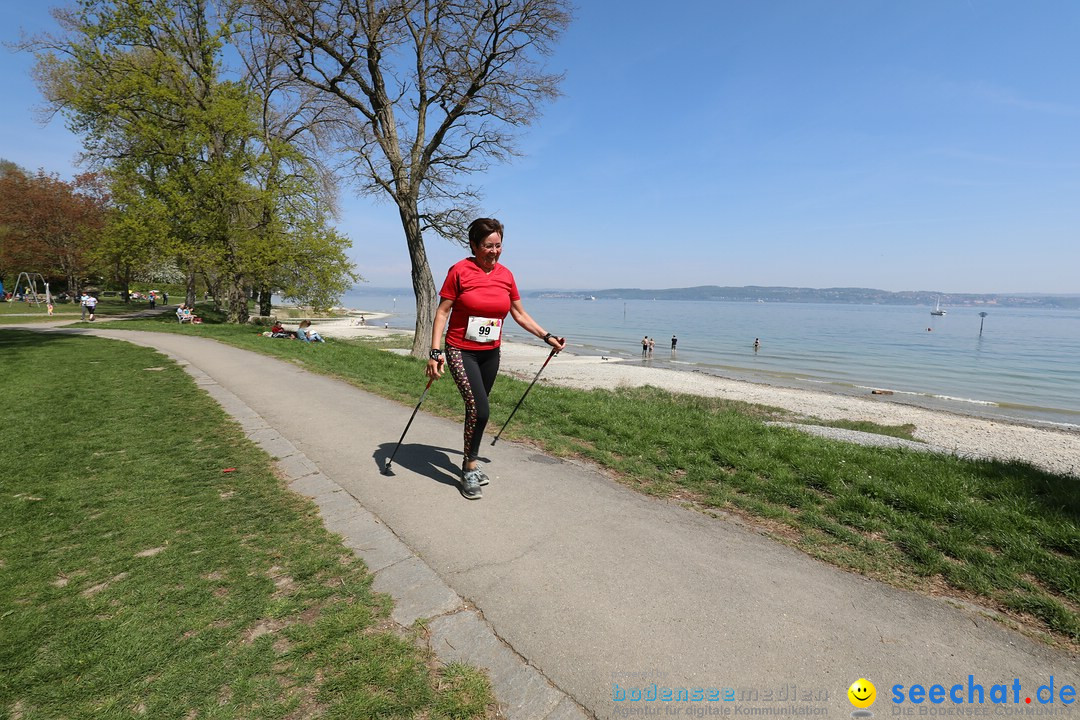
(916, 145)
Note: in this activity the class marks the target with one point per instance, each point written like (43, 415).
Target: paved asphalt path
(604, 590)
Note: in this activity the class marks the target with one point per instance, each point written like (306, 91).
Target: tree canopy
(50, 226)
(205, 160)
(221, 167)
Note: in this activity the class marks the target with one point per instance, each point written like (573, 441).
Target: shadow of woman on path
(424, 460)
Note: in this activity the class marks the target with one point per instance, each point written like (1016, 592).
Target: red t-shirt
(476, 294)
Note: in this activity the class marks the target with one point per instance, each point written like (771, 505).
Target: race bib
(483, 330)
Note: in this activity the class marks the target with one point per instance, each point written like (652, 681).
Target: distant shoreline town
(850, 296)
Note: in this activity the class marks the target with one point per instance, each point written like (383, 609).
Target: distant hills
(853, 296)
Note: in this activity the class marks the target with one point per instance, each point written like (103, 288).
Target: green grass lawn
(21, 312)
(152, 564)
(1002, 533)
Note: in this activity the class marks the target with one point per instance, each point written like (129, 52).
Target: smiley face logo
(862, 693)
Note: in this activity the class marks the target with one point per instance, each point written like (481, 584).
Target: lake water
(1023, 366)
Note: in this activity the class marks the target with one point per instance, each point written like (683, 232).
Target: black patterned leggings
(474, 372)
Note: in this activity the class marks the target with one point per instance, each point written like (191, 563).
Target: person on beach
(674, 342)
(757, 344)
(475, 299)
(652, 345)
(644, 346)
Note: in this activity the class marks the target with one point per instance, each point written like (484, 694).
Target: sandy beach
(1055, 450)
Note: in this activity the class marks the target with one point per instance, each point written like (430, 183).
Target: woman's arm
(522, 318)
(442, 314)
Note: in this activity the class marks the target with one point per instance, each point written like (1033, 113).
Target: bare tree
(435, 91)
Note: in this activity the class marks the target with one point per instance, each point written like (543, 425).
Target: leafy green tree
(135, 236)
(145, 85)
(297, 253)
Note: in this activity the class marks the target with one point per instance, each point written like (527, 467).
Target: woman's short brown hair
(480, 228)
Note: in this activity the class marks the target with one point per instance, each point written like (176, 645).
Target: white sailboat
(937, 308)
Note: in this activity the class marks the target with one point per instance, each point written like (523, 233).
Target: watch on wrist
(547, 336)
(435, 354)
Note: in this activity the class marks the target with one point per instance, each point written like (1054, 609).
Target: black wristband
(547, 337)
(435, 354)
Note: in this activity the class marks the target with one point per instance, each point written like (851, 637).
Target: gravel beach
(1055, 450)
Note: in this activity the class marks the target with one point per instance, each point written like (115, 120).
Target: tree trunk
(215, 288)
(125, 284)
(427, 299)
(118, 277)
(189, 297)
(236, 299)
(265, 308)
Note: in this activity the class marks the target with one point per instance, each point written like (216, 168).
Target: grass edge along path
(152, 563)
(1001, 534)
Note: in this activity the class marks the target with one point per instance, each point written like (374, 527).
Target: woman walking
(476, 297)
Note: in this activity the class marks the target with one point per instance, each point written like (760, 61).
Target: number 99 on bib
(483, 330)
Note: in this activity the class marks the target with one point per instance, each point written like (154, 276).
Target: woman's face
(487, 251)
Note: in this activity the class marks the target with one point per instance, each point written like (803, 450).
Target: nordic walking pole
(551, 354)
(386, 467)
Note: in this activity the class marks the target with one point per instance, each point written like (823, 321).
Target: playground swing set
(29, 284)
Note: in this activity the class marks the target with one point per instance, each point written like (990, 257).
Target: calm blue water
(1024, 365)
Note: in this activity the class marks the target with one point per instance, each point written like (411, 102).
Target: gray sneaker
(470, 485)
(482, 475)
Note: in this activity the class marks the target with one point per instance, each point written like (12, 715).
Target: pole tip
(386, 468)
